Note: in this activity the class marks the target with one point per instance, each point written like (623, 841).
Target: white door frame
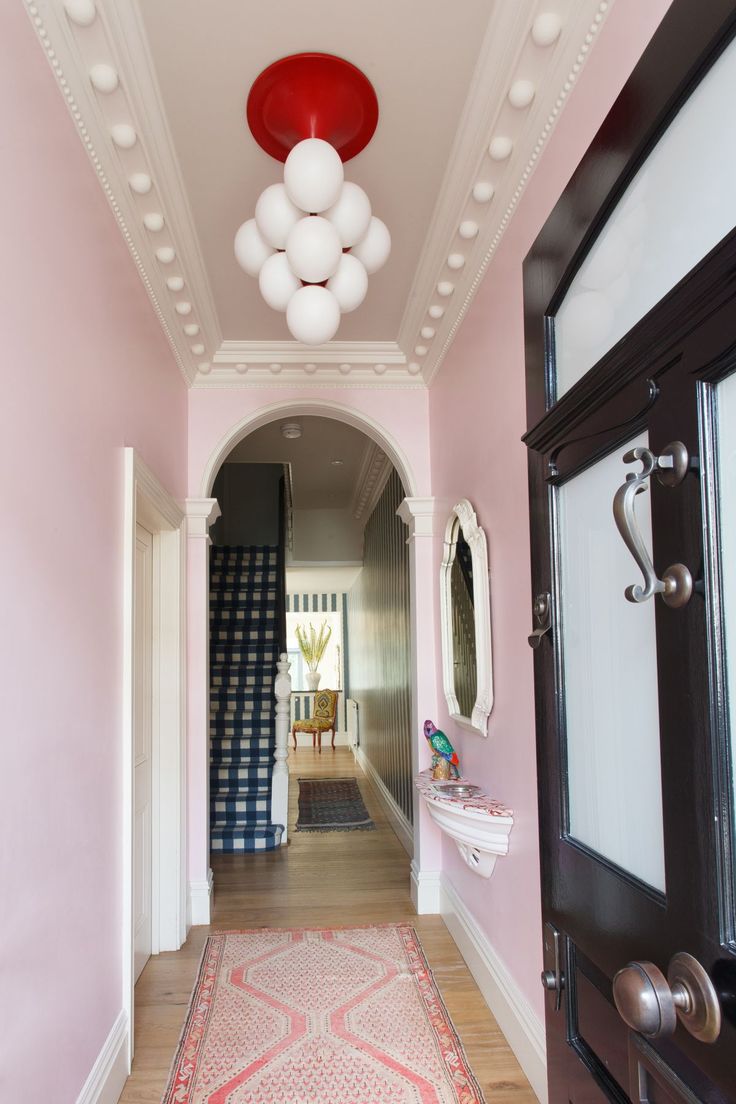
(148, 504)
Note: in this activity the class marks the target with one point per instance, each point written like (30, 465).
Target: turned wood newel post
(280, 778)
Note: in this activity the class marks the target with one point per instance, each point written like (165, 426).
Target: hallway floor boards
(321, 879)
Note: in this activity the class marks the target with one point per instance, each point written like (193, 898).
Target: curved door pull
(651, 1003)
(676, 585)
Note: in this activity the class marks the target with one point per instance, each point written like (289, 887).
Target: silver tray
(456, 789)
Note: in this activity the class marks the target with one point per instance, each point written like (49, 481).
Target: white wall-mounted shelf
(480, 825)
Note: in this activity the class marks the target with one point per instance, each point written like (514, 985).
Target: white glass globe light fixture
(349, 284)
(276, 215)
(251, 251)
(374, 248)
(313, 249)
(277, 282)
(314, 238)
(313, 175)
(351, 215)
(313, 315)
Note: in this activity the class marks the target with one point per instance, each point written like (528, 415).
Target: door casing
(147, 503)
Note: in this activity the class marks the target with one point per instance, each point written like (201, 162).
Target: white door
(142, 717)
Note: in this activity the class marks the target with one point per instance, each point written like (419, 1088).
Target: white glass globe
(351, 214)
(276, 215)
(313, 248)
(313, 175)
(374, 248)
(277, 282)
(250, 249)
(349, 284)
(313, 315)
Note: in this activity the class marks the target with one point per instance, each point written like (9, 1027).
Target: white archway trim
(321, 408)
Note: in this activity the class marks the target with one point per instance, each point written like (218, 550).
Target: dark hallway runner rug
(332, 805)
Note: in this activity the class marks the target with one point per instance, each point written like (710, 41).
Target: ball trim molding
(59, 50)
(544, 32)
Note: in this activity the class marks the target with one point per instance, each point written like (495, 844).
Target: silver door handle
(651, 1003)
(676, 585)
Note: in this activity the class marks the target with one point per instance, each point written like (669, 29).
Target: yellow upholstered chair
(323, 720)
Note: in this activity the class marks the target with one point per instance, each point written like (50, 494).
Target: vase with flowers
(312, 645)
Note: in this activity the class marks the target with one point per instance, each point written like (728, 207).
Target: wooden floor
(333, 878)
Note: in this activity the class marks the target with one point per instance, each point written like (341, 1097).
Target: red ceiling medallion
(312, 96)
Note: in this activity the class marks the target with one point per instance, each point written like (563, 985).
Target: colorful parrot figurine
(441, 749)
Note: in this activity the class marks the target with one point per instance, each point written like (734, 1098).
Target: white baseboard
(110, 1071)
(399, 822)
(200, 901)
(425, 890)
(522, 1027)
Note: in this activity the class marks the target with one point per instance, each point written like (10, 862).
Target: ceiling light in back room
(314, 239)
(291, 431)
(336, 463)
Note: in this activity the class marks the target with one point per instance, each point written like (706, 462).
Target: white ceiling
(401, 47)
(177, 74)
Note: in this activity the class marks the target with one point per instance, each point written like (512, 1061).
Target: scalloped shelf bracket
(480, 835)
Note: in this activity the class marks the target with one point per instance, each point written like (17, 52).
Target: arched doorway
(418, 515)
(319, 408)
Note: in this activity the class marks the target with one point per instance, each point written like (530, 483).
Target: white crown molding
(115, 39)
(463, 235)
(327, 379)
(552, 71)
(284, 363)
(374, 471)
(386, 354)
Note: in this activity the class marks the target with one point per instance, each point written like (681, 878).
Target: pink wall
(87, 371)
(403, 414)
(477, 417)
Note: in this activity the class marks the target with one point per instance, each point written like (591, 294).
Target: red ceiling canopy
(312, 96)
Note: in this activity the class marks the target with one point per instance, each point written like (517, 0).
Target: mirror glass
(465, 618)
(465, 662)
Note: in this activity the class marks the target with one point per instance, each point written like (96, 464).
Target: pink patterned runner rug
(318, 1016)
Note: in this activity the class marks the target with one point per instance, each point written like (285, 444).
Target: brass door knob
(651, 1003)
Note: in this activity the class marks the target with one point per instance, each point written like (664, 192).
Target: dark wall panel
(378, 630)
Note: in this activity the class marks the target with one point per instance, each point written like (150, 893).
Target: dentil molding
(375, 470)
(529, 62)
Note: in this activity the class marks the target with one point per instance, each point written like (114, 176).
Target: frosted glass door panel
(680, 204)
(610, 677)
(727, 477)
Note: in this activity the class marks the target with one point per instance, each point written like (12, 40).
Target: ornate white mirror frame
(463, 518)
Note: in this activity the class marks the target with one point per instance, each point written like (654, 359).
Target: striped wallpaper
(316, 603)
(378, 629)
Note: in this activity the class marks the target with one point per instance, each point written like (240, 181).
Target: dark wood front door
(631, 382)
